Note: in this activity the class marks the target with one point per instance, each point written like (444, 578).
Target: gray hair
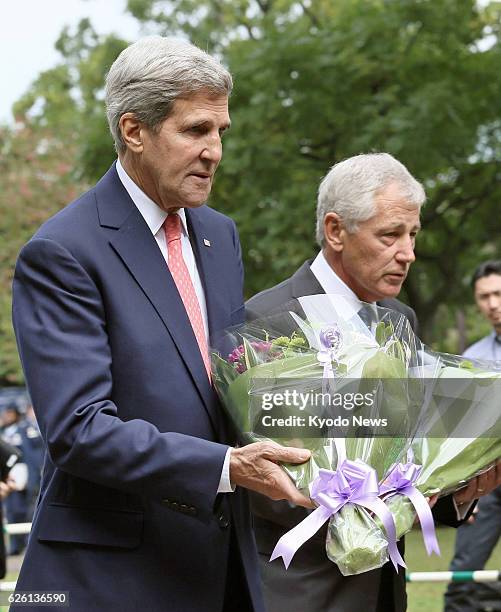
(150, 75)
(350, 186)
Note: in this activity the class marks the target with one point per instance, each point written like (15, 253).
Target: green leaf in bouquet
(250, 355)
(355, 543)
(223, 372)
(447, 462)
(384, 331)
(381, 453)
(396, 349)
(282, 341)
(298, 342)
(403, 513)
(382, 365)
(305, 473)
(450, 462)
(236, 397)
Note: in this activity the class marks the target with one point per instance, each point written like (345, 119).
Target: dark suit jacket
(323, 588)
(128, 518)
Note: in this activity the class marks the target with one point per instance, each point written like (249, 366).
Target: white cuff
(225, 485)
(461, 510)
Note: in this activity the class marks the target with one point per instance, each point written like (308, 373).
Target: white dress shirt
(486, 348)
(332, 284)
(155, 217)
(329, 280)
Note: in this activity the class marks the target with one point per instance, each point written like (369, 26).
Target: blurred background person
(32, 447)
(9, 456)
(476, 541)
(16, 503)
(5, 489)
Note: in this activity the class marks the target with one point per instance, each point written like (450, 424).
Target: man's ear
(334, 231)
(131, 130)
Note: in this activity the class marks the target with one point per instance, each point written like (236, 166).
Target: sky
(31, 27)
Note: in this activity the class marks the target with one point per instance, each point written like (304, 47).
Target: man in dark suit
(114, 299)
(367, 222)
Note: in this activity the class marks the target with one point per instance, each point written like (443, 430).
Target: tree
(317, 81)
(60, 137)
(68, 99)
(36, 180)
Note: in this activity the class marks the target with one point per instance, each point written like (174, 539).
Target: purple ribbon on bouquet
(354, 482)
(401, 481)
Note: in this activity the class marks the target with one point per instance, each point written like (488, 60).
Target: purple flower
(236, 354)
(331, 338)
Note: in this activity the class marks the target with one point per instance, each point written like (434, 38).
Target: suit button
(174, 505)
(223, 521)
(166, 502)
(192, 511)
(184, 508)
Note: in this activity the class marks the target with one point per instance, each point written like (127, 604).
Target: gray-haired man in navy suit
(143, 502)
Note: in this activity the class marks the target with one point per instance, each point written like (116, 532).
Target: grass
(428, 596)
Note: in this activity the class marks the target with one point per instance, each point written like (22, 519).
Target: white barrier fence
(476, 576)
(17, 528)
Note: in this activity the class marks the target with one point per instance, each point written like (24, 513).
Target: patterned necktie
(184, 284)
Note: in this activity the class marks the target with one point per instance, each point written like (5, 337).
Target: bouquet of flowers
(350, 382)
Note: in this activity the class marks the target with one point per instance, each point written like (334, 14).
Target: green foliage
(35, 182)
(315, 82)
(399, 77)
(69, 99)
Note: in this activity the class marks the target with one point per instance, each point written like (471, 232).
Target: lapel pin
(207, 242)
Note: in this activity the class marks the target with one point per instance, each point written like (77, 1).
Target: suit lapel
(304, 282)
(138, 250)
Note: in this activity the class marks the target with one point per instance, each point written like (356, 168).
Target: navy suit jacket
(128, 517)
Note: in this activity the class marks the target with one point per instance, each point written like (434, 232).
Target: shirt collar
(150, 211)
(495, 336)
(329, 280)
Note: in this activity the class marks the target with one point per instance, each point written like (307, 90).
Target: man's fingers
(467, 493)
(287, 454)
(300, 500)
(285, 489)
(486, 481)
(432, 500)
(255, 467)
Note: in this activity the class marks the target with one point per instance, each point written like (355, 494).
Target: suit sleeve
(60, 325)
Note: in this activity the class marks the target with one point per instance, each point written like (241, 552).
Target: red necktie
(184, 284)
